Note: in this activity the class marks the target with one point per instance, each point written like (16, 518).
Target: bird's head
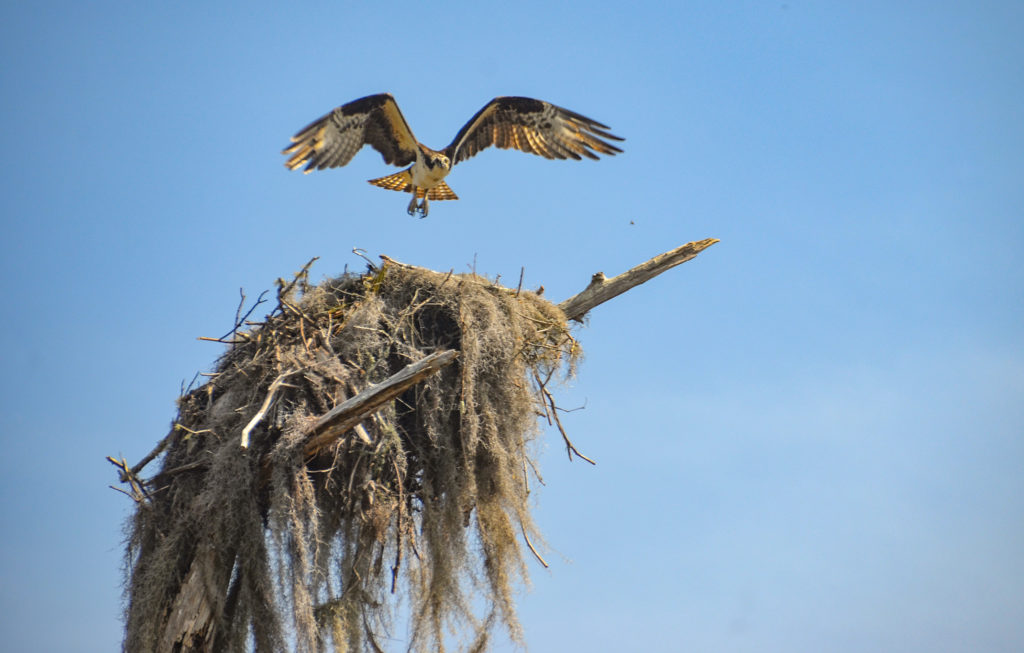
(436, 159)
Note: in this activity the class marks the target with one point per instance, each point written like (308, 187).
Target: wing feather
(332, 140)
(532, 126)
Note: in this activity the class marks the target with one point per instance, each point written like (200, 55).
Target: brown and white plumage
(532, 126)
(525, 124)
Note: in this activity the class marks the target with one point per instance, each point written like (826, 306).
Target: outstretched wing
(334, 139)
(532, 126)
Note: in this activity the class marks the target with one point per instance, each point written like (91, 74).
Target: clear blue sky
(811, 438)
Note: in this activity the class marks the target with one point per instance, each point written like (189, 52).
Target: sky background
(810, 438)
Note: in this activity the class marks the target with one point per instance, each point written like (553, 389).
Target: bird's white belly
(426, 177)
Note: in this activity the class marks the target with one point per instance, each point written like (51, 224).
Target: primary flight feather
(519, 123)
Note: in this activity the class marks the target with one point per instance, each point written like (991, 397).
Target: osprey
(521, 123)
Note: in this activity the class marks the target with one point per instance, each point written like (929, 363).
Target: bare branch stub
(602, 289)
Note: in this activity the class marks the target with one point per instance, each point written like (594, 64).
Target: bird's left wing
(333, 140)
(532, 126)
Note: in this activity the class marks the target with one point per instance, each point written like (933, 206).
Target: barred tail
(402, 182)
(439, 192)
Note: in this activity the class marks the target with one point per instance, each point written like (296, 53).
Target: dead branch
(157, 450)
(124, 492)
(601, 289)
(271, 395)
(243, 338)
(239, 318)
(351, 412)
(130, 477)
(284, 289)
(408, 266)
(532, 549)
(199, 464)
(191, 622)
(549, 401)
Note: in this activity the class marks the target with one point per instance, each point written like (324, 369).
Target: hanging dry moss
(427, 500)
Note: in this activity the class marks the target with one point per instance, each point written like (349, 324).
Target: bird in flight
(520, 123)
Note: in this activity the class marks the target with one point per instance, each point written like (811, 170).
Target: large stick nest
(427, 500)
